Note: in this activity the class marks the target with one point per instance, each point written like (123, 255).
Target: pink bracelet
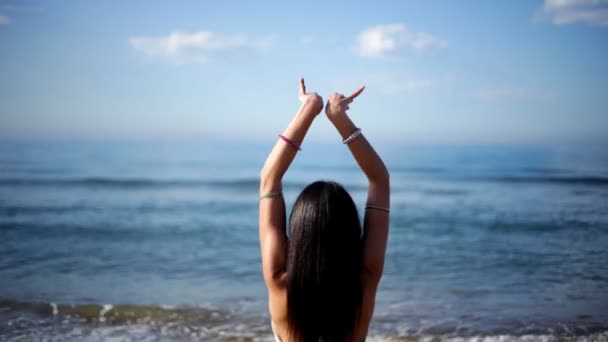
(290, 142)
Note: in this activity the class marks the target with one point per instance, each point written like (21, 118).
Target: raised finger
(302, 86)
(355, 94)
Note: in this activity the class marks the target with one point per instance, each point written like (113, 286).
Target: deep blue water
(496, 241)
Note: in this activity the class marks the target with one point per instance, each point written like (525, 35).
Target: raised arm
(272, 206)
(376, 220)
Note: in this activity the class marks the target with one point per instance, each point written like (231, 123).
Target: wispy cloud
(20, 7)
(561, 12)
(514, 93)
(307, 39)
(394, 39)
(395, 84)
(387, 83)
(4, 20)
(317, 40)
(199, 47)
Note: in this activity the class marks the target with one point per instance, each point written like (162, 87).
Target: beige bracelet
(369, 206)
(352, 137)
(271, 194)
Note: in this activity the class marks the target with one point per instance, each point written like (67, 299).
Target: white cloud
(394, 39)
(561, 12)
(514, 93)
(199, 47)
(4, 20)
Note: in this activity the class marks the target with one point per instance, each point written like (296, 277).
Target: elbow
(374, 272)
(386, 177)
(263, 174)
(269, 181)
(381, 179)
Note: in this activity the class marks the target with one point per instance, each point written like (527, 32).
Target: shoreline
(179, 323)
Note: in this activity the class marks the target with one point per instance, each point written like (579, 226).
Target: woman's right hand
(337, 104)
(312, 103)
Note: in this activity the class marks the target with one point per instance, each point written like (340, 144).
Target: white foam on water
(103, 311)
(55, 309)
(597, 337)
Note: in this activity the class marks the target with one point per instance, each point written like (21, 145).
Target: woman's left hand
(312, 103)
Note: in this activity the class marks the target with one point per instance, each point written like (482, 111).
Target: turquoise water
(158, 240)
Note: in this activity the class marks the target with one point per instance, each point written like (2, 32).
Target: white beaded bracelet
(352, 137)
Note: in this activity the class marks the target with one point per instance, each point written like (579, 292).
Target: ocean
(158, 241)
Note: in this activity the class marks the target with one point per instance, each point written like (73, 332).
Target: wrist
(312, 104)
(337, 116)
(309, 109)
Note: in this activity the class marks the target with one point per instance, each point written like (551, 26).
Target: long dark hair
(324, 262)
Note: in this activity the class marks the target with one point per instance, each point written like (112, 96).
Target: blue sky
(435, 71)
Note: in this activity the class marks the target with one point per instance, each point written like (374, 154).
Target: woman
(322, 280)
